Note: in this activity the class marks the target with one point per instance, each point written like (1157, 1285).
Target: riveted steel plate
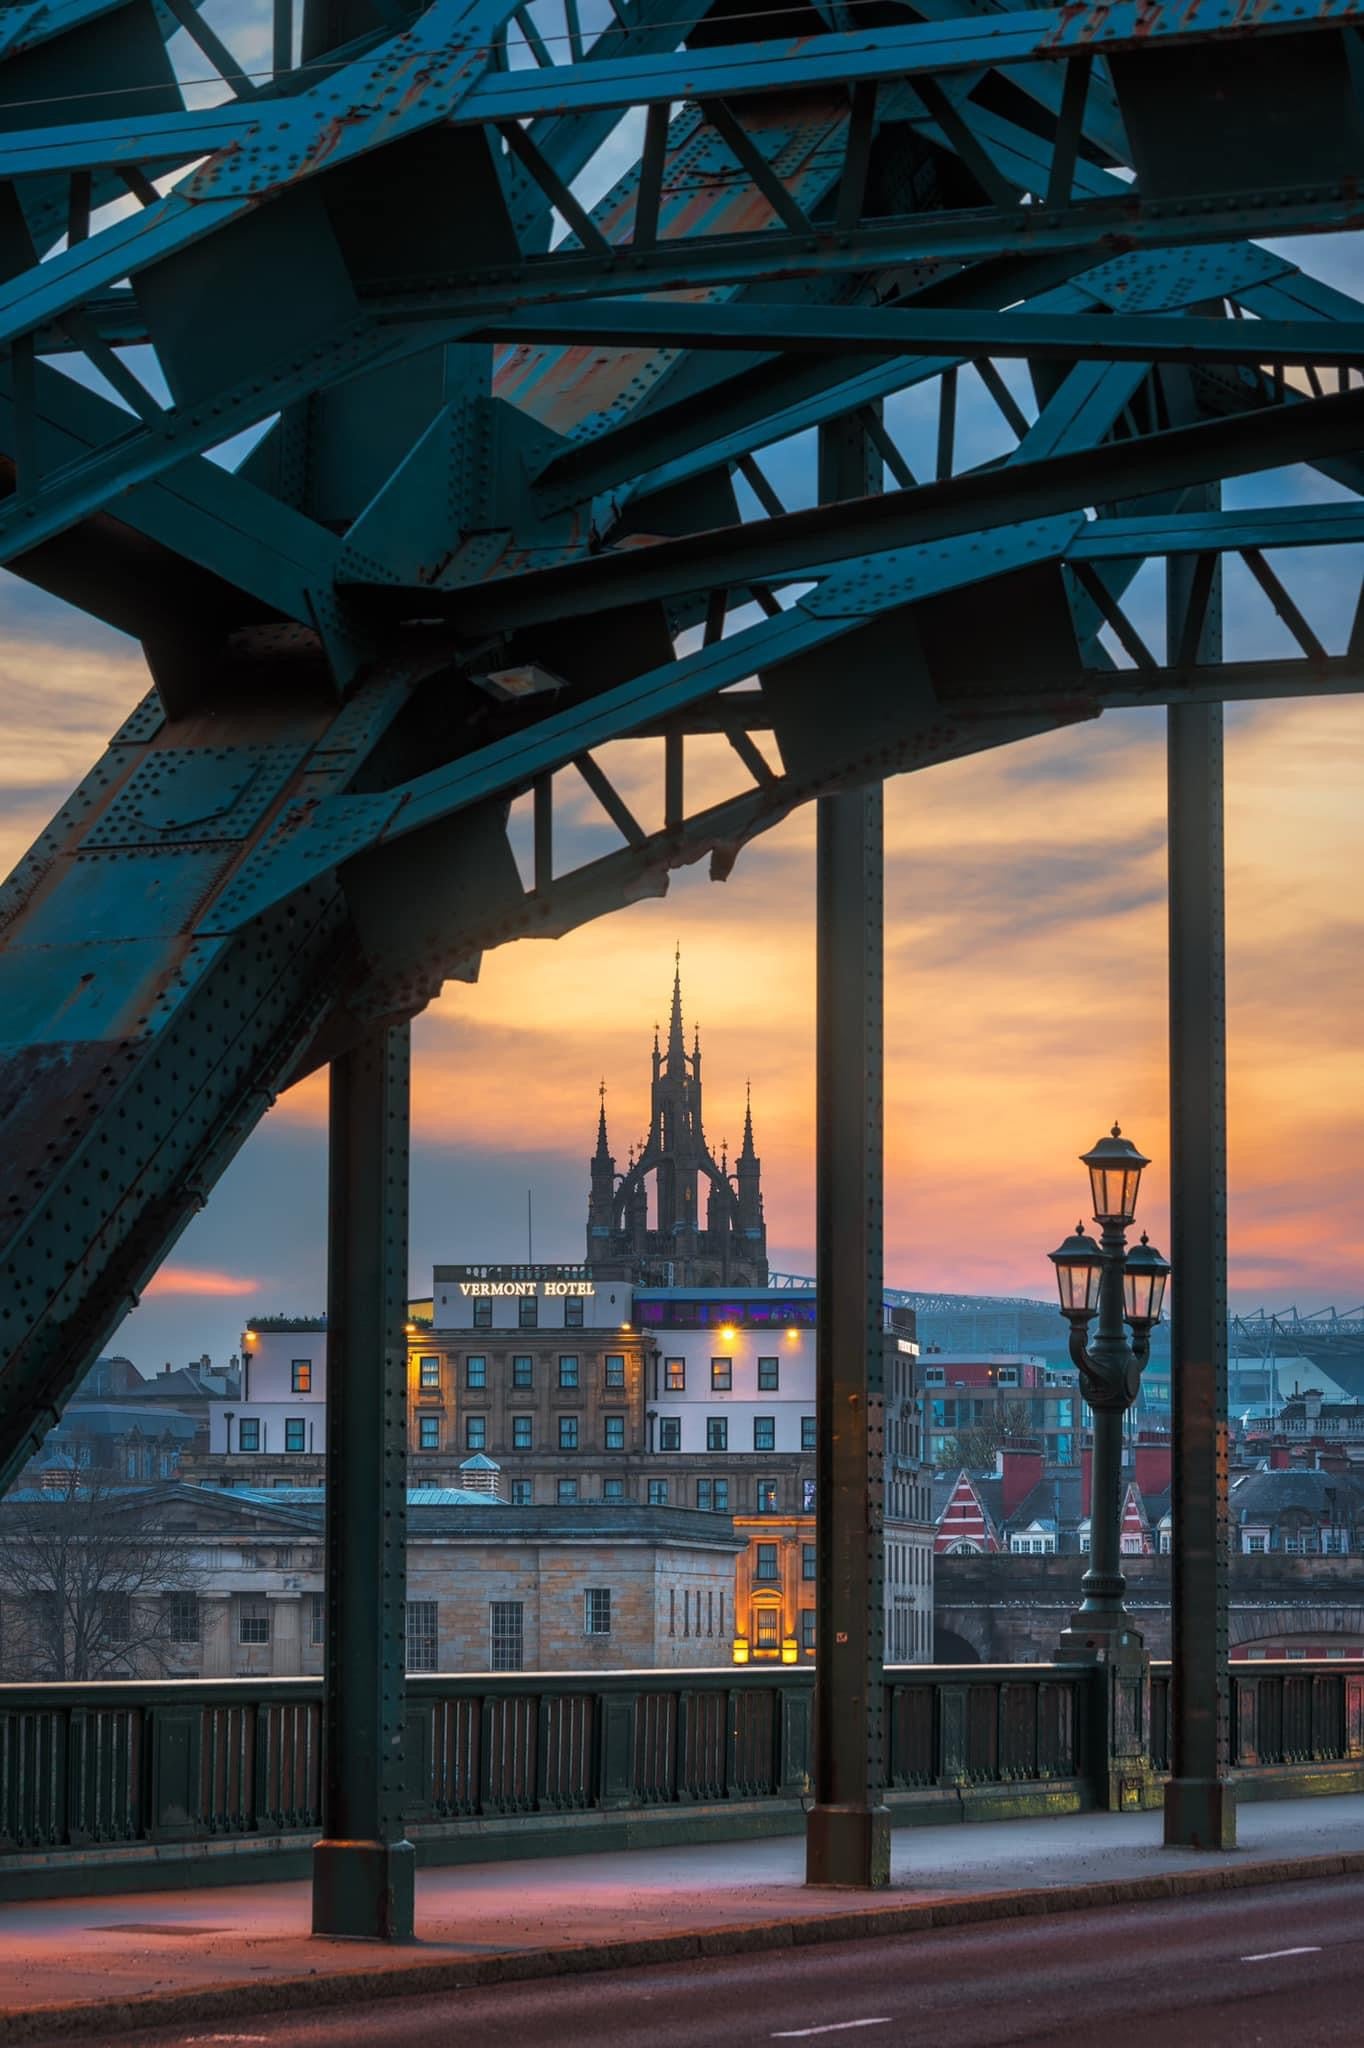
(181, 795)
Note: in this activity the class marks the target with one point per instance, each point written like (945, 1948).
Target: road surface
(1282, 1967)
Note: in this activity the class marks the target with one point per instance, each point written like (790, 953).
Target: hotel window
(476, 1371)
(615, 1369)
(712, 1496)
(567, 1493)
(769, 1375)
(767, 1569)
(568, 1369)
(253, 1619)
(527, 1318)
(807, 1432)
(248, 1433)
(717, 1432)
(428, 1374)
(597, 1611)
(767, 1635)
(523, 1370)
(523, 1493)
(721, 1375)
(295, 1435)
(182, 1617)
(613, 1491)
(421, 1635)
(670, 1432)
(767, 1496)
(522, 1433)
(483, 1315)
(429, 1440)
(568, 1432)
(935, 1376)
(301, 1376)
(764, 1433)
(506, 1634)
(573, 1311)
(475, 1432)
(675, 1375)
(807, 1629)
(317, 1619)
(615, 1432)
(658, 1493)
(807, 1560)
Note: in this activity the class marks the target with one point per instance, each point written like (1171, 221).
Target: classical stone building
(489, 1587)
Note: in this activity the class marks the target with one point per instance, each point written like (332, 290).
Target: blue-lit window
(769, 1375)
(568, 1432)
(717, 1432)
(476, 1370)
(807, 1432)
(764, 1432)
(429, 1438)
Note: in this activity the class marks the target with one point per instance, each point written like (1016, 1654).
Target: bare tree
(1009, 1423)
(92, 1584)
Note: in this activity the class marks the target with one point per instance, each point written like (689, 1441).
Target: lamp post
(1120, 1287)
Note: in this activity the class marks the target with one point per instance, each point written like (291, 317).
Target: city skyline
(1025, 1009)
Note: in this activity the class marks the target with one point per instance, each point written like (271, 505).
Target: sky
(1025, 986)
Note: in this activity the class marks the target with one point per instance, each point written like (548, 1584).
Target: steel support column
(848, 1833)
(1199, 1799)
(363, 1868)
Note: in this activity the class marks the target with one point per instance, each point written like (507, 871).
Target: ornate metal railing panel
(92, 1767)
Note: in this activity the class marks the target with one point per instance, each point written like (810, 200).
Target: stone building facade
(489, 1587)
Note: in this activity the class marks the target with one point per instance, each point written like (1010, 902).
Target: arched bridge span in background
(512, 508)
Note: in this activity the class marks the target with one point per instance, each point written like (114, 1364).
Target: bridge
(511, 505)
(1004, 1610)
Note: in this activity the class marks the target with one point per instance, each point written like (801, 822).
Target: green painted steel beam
(799, 544)
(909, 330)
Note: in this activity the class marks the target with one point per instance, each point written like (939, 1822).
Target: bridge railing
(1285, 1713)
(121, 1780)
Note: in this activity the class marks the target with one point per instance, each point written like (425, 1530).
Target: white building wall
(743, 1400)
(269, 1397)
(459, 1293)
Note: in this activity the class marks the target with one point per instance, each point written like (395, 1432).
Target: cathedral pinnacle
(748, 1151)
(676, 1044)
(603, 1148)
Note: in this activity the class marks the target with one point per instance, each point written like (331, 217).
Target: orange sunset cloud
(201, 1280)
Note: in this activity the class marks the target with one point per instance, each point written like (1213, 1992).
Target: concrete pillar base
(848, 1845)
(1200, 1813)
(364, 1891)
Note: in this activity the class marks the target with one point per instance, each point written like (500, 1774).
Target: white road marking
(835, 2027)
(1271, 1955)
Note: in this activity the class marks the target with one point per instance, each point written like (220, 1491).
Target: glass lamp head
(1143, 1284)
(1079, 1264)
(1115, 1168)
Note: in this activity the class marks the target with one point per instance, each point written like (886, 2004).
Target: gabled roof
(966, 1519)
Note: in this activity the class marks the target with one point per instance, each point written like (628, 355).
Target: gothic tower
(676, 1248)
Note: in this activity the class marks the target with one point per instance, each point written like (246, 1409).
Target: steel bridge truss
(531, 516)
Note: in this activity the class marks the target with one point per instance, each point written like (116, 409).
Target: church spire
(676, 1046)
(748, 1151)
(603, 1148)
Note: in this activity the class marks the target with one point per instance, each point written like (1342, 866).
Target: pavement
(91, 1968)
(1277, 1966)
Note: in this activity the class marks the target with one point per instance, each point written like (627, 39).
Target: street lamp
(1119, 1286)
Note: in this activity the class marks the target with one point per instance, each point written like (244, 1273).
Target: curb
(316, 1992)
